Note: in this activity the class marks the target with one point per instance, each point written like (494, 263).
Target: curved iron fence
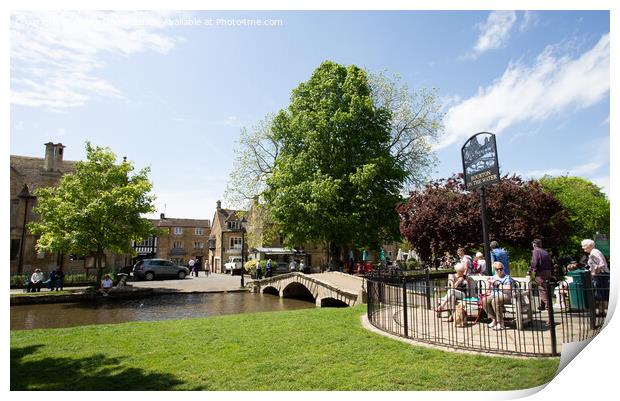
(406, 307)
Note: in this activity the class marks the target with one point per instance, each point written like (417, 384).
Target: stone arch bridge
(327, 289)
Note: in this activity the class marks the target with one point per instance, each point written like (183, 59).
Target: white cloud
(529, 20)
(494, 31)
(553, 85)
(55, 55)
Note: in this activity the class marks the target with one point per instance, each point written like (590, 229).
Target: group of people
(499, 288)
(55, 282)
(477, 265)
(194, 267)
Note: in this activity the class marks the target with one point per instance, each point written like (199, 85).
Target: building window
(178, 231)
(177, 261)
(235, 243)
(199, 231)
(199, 245)
(233, 225)
(177, 244)
(40, 255)
(14, 248)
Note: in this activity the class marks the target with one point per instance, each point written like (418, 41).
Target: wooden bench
(520, 307)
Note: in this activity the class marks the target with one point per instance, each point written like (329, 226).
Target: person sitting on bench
(106, 285)
(36, 281)
(500, 293)
(457, 290)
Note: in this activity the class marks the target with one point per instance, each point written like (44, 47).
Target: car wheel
(181, 275)
(149, 276)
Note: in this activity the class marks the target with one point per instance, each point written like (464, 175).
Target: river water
(161, 307)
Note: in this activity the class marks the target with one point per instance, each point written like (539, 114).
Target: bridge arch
(330, 302)
(298, 291)
(270, 290)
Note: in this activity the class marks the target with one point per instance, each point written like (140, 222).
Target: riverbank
(311, 349)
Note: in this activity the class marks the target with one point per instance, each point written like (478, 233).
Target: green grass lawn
(311, 349)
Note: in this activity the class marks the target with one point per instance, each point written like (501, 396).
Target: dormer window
(233, 225)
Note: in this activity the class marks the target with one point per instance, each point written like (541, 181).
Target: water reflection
(171, 306)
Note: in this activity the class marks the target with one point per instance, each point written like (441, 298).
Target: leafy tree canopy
(335, 179)
(587, 206)
(96, 208)
(414, 118)
(444, 216)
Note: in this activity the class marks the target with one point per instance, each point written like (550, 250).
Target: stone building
(226, 237)
(26, 175)
(180, 240)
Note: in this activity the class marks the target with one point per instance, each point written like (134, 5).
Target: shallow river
(161, 307)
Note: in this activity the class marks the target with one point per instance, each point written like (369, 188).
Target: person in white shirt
(106, 285)
(36, 281)
(597, 264)
(292, 266)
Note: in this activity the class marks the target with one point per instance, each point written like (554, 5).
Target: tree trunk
(98, 267)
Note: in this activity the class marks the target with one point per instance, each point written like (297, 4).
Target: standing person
(480, 265)
(446, 260)
(292, 266)
(302, 267)
(207, 268)
(268, 268)
(597, 264)
(500, 287)
(57, 278)
(36, 281)
(192, 266)
(466, 261)
(542, 267)
(499, 255)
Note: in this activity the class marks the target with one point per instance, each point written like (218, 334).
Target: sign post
(480, 170)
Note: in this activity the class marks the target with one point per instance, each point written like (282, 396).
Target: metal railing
(406, 307)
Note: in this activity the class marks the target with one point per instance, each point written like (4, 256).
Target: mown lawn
(310, 349)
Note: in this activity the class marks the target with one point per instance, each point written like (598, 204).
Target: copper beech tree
(444, 216)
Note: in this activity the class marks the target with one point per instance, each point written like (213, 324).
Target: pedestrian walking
(292, 266)
(268, 268)
(192, 267)
(542, 267)
(207, 268)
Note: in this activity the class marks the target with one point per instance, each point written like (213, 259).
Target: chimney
(162, 216)
(219, 205)
(53, 156)
(48, 164)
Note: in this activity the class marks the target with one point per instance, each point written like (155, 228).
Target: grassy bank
(313, 349)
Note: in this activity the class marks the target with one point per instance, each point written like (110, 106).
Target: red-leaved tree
(444, 216)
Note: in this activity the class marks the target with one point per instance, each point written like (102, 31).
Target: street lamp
(243, 221)
(26, 196)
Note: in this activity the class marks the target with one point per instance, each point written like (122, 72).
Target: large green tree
(335, 180)
(96, 208)
(587, 205)
(415, 121)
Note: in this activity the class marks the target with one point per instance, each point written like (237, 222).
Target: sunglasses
(499, 268)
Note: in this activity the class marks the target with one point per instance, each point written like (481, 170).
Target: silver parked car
(148, 269)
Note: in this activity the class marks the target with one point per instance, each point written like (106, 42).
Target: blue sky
(174, 96)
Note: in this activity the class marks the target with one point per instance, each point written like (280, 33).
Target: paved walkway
(214, 283)
(343, 281)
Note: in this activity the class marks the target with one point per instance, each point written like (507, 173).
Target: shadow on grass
(96, 372)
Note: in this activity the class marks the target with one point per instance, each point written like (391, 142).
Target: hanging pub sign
(480, 166)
